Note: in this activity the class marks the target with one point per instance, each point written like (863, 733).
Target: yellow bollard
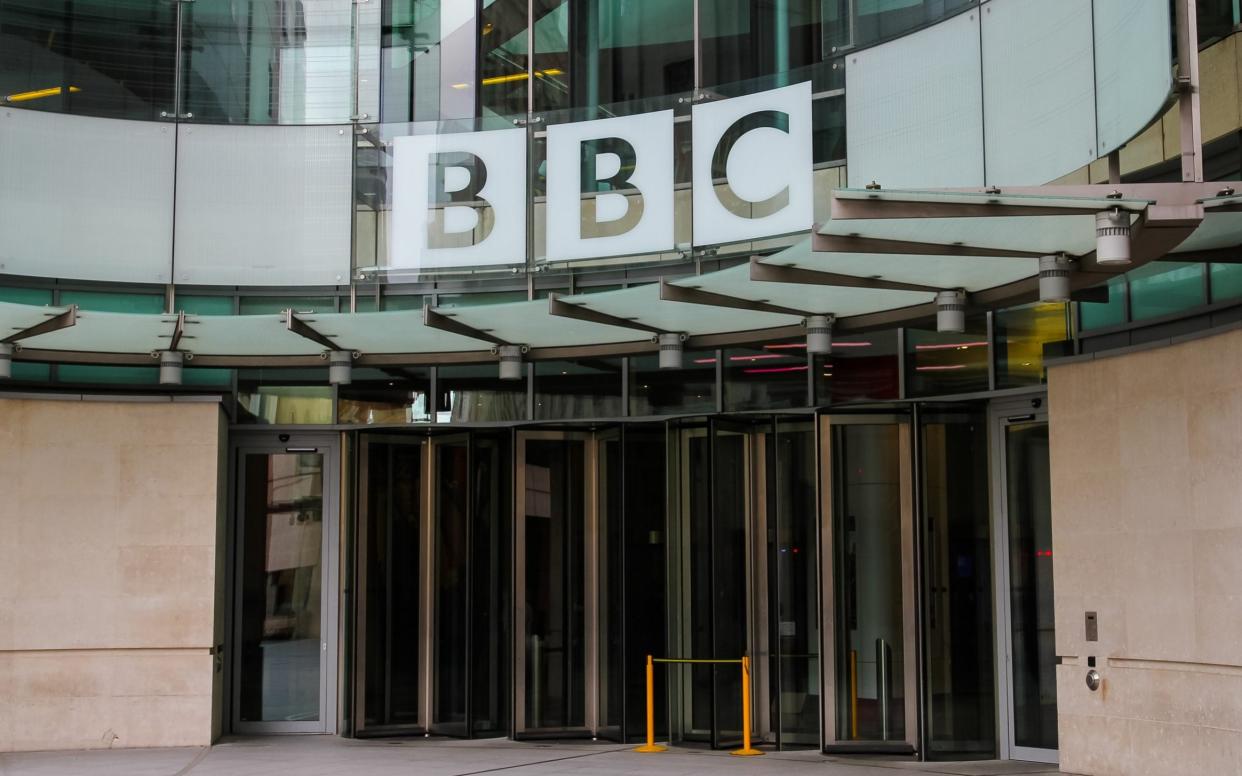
(651, 745)
(747, 750)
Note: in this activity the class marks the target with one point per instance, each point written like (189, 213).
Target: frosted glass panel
(914, 109)
(85, 198)
(1133, 66)
(1038, 90)
(263, 205)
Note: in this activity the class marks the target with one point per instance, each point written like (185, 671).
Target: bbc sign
(459, 200)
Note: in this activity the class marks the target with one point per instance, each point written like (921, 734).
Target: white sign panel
(589, 164)
(753, 166)
(459, 200)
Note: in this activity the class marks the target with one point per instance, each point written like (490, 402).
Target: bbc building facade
(419, 367)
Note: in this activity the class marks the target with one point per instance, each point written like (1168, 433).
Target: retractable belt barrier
(746, 751)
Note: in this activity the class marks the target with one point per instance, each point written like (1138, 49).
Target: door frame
(590, 592)
(241, 444)
(912, 674)
(1000, 416)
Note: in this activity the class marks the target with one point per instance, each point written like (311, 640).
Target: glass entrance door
(714, 574)
(285, 651)
(869, 596)
(554, 625)
(1025, 589)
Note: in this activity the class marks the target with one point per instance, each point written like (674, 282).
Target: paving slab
(334, 756)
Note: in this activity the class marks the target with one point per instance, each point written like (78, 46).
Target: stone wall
(109, 514)
(1146, 452)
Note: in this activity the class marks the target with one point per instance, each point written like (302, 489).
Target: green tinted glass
(270, 305)
(205, 305)
(106, 302)
(1097, 315)
(26, 295)
(1164, 288)
(1226, 281)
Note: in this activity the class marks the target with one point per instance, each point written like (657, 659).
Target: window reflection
(939, 363)
(281, 62)
(1021, 334)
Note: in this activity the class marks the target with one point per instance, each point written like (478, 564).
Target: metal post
(881, 684)
(651, 745)
(1188, 90)
(747, 750)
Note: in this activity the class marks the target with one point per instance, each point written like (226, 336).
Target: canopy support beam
(833, 243)
(563, 309)
(696, 295)
(437, 320)
(305, 330)
(56, 322)
(789, 273)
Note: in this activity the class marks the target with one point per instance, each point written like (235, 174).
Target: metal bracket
(559, 307)
(56, 322)
(437, 320)
(304, 329)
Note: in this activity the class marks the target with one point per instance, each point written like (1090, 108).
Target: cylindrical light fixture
(1112, 237)
(1054, 278)
(340, 367)
(510, 361)
(819, 334)
(170, 367)
(671, 348)
(6, 360)
(951, 311)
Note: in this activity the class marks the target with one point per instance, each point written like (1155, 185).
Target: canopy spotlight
(171, 362)
(672, 345)
(510, 360)
(340, 367)
(819, 334)
(1112, 237)
(1054, 278)
(951, 311)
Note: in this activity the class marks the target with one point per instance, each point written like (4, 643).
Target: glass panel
(205, 305)
(452, 584)
(1226, 281)
(389, 544)
(587, 388)
(646, 564)
(947, 363)
(655, 391)
(744, 40)
(770, 376)
(479, 298)
(403, 301)
(281, 567)
(1166, 288)
(1031, 620)
(730, 474)
(111, 58)
(280, 396)
(877, 20)
(867, 529)
(793, 552)
(589, 54)
(554, 523)
(106, 375)
(960, 678)
(502, 86)
(86, 198)
(104, 301)
(268, 63)
(272, 305)
(476, 393)
(1097, 315)
(427, 60)
(491, 583)
(862, 367)
(611, 552)
(828, 123)
(263, 206)
(1021, 333)
(386, 396)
